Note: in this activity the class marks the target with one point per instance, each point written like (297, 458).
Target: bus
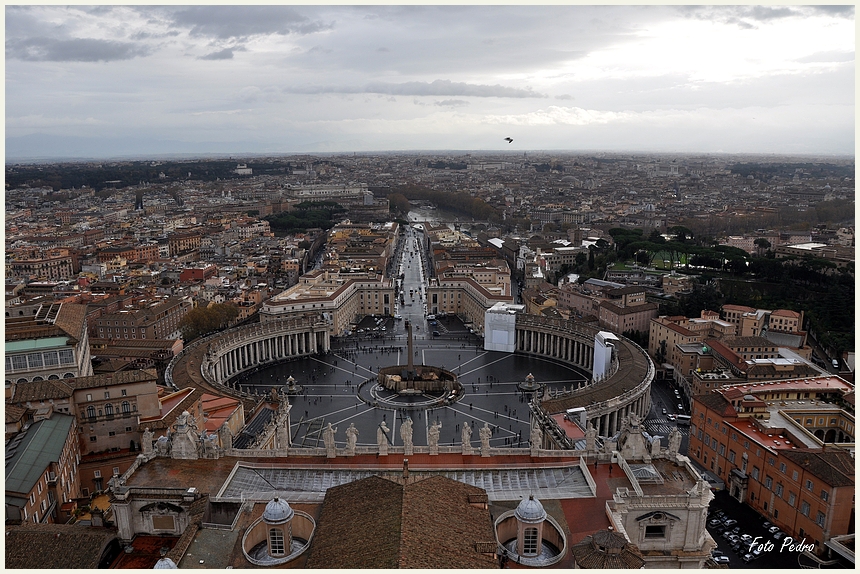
(683, 420)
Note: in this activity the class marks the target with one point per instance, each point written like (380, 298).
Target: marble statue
(146, 441)
(674, 441)
(655, 446)
(634, 420)
(406, 435)
(382, 438)
(433, 437)
(536, 437)
(590, 438)
(226, 436)
(351, 439)
(466, 438)
(485, 434)
(162, 446)
(328, 440)
(185, 440)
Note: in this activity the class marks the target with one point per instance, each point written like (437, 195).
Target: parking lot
(747, 522)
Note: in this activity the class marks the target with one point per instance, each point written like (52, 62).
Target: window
(124, 392)
(32, 499)
(107, 394)
(39, 487)
(794, 475)
(530, 542)
(92, 439)
(714, 444)
(778, 490)
(746, 444)
(755, 473)
(109, 409)
(89, 397)
(722, 449)
(782, 468)
(116, 470)
(768, 482)
(91, 412)
(809, 485)
(824, 495)
(804, 508)
(771, 461)
(97, 474)
(126, 407)
(734, 436)
(111, 433)
(776, 513)
(791, 498)
(819, 520)
(276, 541)
(655, 531)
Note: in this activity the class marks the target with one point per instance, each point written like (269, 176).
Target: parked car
(778, 535)
(714, 522)
(729, 522)
(435, 333)
(680, 407)
(747, 557)
(766, 525)
(664, 411)
(734, 539)
(722, 559)
(773, 529)
(746, 538)
(737, 548)
(736, 530)
(756, 552)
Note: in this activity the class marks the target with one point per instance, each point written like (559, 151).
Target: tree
(591, 259)
(762, 245)
(203, 320)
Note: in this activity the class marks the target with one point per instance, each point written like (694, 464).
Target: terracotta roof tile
(378, 523)
(56, 546)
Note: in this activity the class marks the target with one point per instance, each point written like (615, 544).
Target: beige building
(342, 298)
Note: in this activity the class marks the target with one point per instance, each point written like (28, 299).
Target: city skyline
(112, 81)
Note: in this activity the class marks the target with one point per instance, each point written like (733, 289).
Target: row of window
(40, 360)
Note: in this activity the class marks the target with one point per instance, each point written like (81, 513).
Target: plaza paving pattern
(336, 390)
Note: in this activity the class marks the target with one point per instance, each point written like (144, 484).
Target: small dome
(530, 511)
(165, 564)
(277, 512)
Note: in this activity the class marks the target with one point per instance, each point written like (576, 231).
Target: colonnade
(625, 391)
(556, 345)
(230, 362)
(610, 423)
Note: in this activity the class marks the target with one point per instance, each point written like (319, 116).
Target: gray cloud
(434, 88)
(452, 103)
(827, 57)
(225, 54)
(244, 21)
(845, 10)
(564, 97)
(742, 16)
(73, 50)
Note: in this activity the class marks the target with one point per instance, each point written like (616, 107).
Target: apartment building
(148, 318)
(46, 266)
(41, 470)
(768, 443)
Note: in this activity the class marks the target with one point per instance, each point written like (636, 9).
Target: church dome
(530, 511)
(277, 512)
(165, 564)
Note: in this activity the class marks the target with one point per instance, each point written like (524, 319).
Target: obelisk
(410, 365)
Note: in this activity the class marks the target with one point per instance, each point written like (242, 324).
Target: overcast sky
(271, 79)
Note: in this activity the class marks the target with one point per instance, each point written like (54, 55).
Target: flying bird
(509, 140)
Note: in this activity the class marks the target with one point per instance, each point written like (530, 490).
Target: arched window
(69, 376)
(37, 379)
(276, 542)
(53, 377)
(530, 542)
(22, 380)
(109, 409)
(91, 412)
(126, 408)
